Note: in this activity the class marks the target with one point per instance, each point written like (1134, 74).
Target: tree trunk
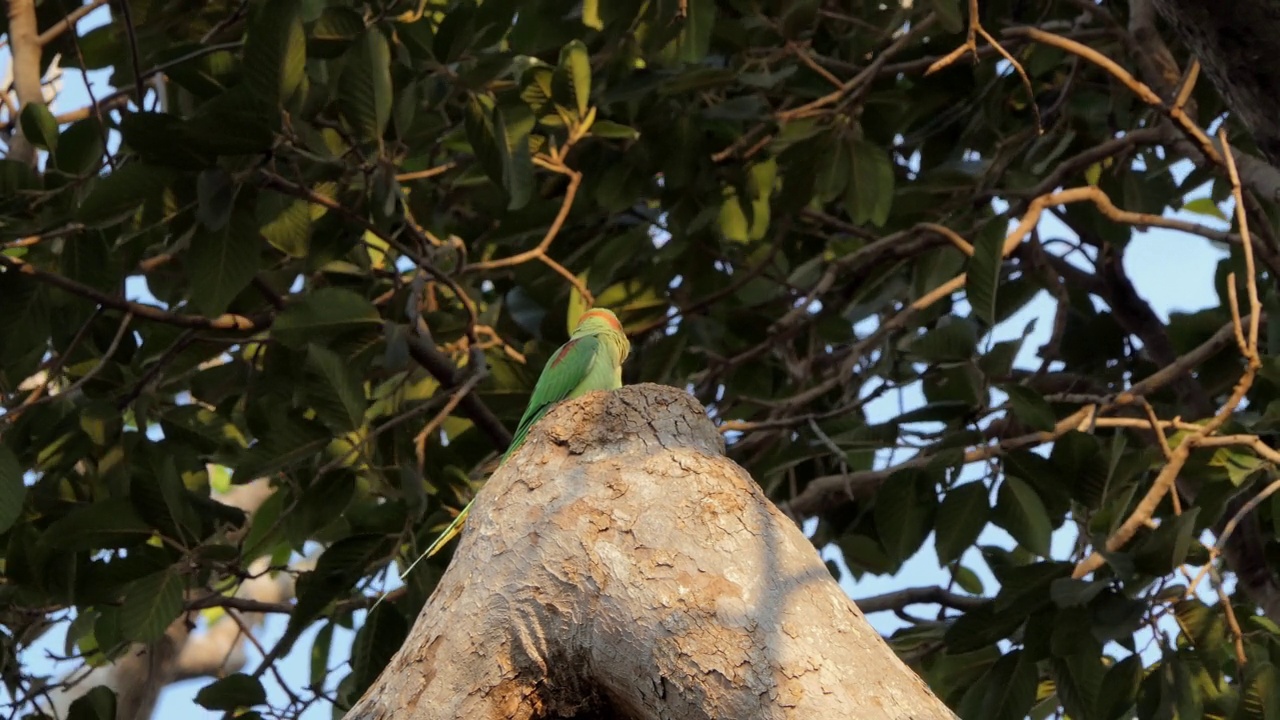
(620, 566)
(1238, 45)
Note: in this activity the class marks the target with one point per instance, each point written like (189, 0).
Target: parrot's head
(603, 323)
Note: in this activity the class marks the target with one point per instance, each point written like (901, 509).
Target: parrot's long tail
(449, 533)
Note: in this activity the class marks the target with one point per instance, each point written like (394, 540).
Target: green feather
(591, 360)
(566, 371)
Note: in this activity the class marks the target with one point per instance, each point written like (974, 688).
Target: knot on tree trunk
(619, 565)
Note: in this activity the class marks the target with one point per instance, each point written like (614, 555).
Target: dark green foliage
(343, 212)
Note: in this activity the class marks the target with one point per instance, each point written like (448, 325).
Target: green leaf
(235, 122)
(275, 51)
(955, 339)
(1204, 626)
(87, 258)
(948, 12)
(613, 131)
(222, 263)
(983, 276)
(861, 553)
(177, 501)
(903, 517)
(455, 33)
(512, 129)
(571, 85)
(24, 326)
(1077, 678)
(1204, 206)
(1118, 691)
(322, 502)
(38, 126)
(99, 703)
(215, 197)
(869, 196)
(334, 31)
(265, 530)
(118, 195)
(1166, 547)
(1069, 592)
(231, 692)
(110, 523)
(1010, 687)
(150, 605)
(337, 569)
(964, 513)
(734, 225)
(1030, 407)
(376, 643)
(320, 649)
(1078, 462)
(324, 311)
(798, 18)
(967, 579)
(1260, 693)
(981, 627)
(591, 14)
(695, 37)
(160, 139)
(290, 440)
(13, 491)
(286, 223)
(339, 383)
(1238, 464)
(536, 86)
(1020, 511)
(366, 91)
(483, 137)
(80, 148)
(577, 304)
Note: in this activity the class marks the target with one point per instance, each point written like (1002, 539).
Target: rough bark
(619, 565)
(1237, 43)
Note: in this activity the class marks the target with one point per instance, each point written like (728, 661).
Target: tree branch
(226, 321)
(824, 493)
(24, 44)
(68, 22)
(446, 373)
(919, 596)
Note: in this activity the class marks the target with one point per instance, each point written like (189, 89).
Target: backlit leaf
(150, 604)
(366, 88)
(1020, 511)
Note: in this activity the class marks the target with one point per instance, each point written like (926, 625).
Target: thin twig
(68, 22)
(1142, 515)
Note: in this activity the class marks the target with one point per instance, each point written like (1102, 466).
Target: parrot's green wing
(567, 369)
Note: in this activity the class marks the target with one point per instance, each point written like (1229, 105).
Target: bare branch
(24, 43)
(919, 596)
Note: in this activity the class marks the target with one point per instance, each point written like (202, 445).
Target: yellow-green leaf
(366, 90)
(577, 303)
(733, 220)
(38, 126)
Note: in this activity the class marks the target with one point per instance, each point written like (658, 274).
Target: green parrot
(591, 360)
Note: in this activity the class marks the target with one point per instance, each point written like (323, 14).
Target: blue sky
(1172, 271)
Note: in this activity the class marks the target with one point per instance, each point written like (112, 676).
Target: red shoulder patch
(564, 350)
